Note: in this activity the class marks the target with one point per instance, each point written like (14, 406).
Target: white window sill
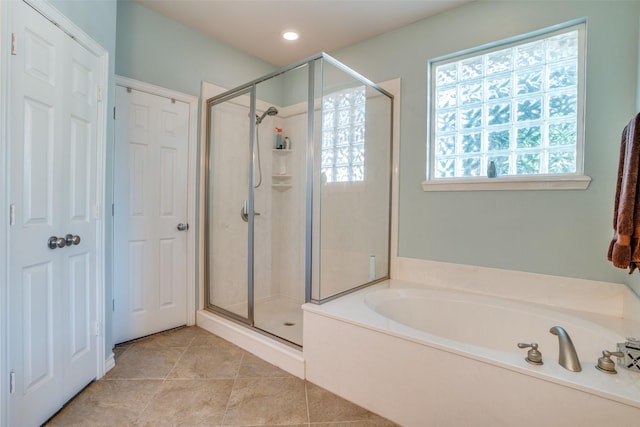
(510, 183)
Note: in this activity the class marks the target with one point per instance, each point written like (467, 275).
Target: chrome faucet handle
(533, 356)
(605, 364)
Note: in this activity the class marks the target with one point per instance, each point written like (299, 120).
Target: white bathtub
(431, 357)
(488, 323)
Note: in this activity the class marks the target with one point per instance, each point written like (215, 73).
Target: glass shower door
(306, 222)
(227, 192)
(255, 270)
(279, 231)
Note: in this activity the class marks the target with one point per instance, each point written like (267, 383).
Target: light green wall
(562, 233)
(147, 46)
(155, 49)
(565, 233)
(97, 18)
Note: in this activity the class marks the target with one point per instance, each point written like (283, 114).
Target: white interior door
(150, 193)
(52, 343)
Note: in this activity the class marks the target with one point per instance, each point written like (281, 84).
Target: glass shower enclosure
(298, 193)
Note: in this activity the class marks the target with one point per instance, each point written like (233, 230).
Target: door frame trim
(192, 149)
(70, 28)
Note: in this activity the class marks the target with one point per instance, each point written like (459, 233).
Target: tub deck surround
(462, 370)
(610, 299)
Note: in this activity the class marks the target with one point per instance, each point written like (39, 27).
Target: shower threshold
(286, 356)
(279, 316)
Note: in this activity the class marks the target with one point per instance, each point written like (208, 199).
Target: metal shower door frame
(250, 89)
(212, 102)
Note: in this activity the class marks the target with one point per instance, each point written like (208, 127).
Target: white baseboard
(109, 363)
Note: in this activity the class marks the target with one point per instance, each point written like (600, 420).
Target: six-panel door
(52, 350)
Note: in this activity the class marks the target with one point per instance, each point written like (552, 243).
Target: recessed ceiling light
(290, 35)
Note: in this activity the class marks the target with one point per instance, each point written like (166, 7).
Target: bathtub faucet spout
(567, 358)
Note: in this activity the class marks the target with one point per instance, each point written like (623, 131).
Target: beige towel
(624, 250)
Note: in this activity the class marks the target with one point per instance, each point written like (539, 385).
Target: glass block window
(343, 129)
(516, 104)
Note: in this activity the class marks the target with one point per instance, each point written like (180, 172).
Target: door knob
(183, 227)
(70, 239)
(56, 242)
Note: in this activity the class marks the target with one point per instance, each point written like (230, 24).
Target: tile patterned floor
(189, 377)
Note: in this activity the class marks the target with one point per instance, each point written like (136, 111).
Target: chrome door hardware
(244, 212)
(533, 356)
(605, 364)
(183, 227)
(72, 240)
(60, 242)
(56, 242)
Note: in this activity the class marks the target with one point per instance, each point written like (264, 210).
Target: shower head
(271, 111)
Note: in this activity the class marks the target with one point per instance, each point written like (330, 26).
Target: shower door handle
(244, 212)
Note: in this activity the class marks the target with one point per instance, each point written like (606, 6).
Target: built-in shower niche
(305, 223)
(282, 178)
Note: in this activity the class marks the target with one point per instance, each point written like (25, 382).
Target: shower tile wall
(288, 231)
(347, 240)
(229, 234)
(263, 204)
(279, 229)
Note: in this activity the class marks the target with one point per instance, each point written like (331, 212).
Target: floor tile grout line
(179, 358)
(233, 386)
(127, 348)
(306, 399)
(164, 380)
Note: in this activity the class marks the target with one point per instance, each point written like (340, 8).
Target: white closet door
(150, 192)
(52, 292)
(79, 219)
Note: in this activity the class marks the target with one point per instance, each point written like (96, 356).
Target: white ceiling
(255, 26)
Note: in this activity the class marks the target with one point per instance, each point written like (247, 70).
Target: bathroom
(548, 239)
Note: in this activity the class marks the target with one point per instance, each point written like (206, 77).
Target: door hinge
(99, 94)
(113, 305)
(114, 113)
(97, 328)
(14, 44)
(12, 381)
(12, 214)
(113, 209)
